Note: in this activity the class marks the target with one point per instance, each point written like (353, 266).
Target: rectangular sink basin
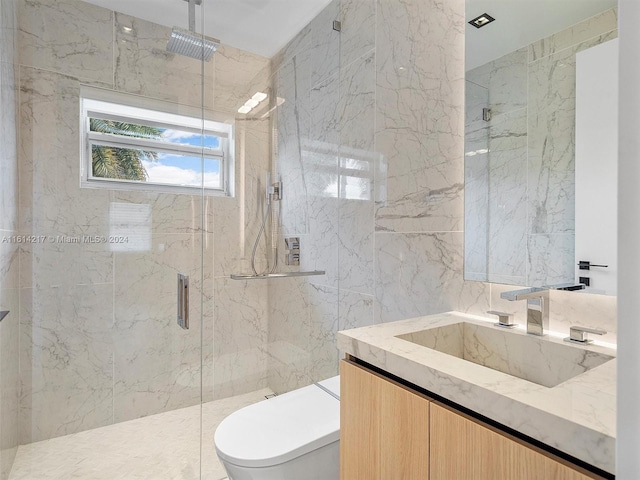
(531, 358)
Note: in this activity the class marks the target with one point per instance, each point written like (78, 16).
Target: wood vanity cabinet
(391, 432)
(384, 428)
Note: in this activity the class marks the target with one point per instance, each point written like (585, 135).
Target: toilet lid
(280, 429)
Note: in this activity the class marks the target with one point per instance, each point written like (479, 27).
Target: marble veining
(419, 105)
(68, 37)
(576, 416)
(368, 145)
(426, 276)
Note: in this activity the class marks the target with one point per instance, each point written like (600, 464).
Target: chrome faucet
(537, 307)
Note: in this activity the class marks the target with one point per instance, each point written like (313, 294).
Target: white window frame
(116, 106)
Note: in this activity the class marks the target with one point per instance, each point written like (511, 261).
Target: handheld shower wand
(273, 194)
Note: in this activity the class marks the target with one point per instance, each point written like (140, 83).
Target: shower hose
(268, 214)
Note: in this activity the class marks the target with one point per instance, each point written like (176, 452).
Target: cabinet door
(384, 428)
(464, 449)
(359, 425)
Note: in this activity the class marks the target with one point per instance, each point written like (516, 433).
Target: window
(151, 147)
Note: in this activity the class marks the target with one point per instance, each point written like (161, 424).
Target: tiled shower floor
(159, 447)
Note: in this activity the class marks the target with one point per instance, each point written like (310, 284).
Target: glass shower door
(113, 208)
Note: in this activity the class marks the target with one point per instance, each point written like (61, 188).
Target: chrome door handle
(183, 301)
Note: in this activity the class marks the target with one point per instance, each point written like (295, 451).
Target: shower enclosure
(129, 161)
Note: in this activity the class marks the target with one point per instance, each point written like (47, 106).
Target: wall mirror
(541, 142)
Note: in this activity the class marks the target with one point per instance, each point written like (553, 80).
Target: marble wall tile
(323, 325)
(355, 310)
(171, 213)
(551, 133)
(552, 144)
(204, 294)
(51, 201)
(293, 86)
(476, 97)
(303, 321)
(356, 246)
(256, 163)
(550, 258)
(414, 100)
(238, 219)
(602, 23)
(320, 164)
(508, 83)
(54, 264)
(235, 75)
(321, 150)
(67, 36)
(424, 182)
(421, 274)
(289, 333)
(357, 170)
(156, 363)
(508, 195)
(231, 250)
(356, 107)
(66, 360)
(321, 244)
(142, 65)
(476, 200)
(325, 44)
(298, 44)
(240, 337)
(505, 80)
(357, 35)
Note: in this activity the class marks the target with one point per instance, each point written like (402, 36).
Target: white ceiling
(521, 22)
(265, 26)
(259, 26)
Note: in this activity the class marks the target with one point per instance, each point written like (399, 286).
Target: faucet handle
(505, 320)
(579, 334)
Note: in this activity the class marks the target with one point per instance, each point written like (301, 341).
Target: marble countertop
(577, 416)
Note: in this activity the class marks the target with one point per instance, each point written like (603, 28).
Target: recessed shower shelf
(235, 276)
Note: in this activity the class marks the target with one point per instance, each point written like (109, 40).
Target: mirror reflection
(538, 110)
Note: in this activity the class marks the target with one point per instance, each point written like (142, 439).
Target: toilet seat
(280, 429)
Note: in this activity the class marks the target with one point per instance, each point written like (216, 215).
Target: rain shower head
(188, 42)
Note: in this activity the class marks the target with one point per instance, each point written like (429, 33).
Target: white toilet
(294, 436)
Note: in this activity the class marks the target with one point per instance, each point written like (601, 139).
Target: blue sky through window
(180, 168)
